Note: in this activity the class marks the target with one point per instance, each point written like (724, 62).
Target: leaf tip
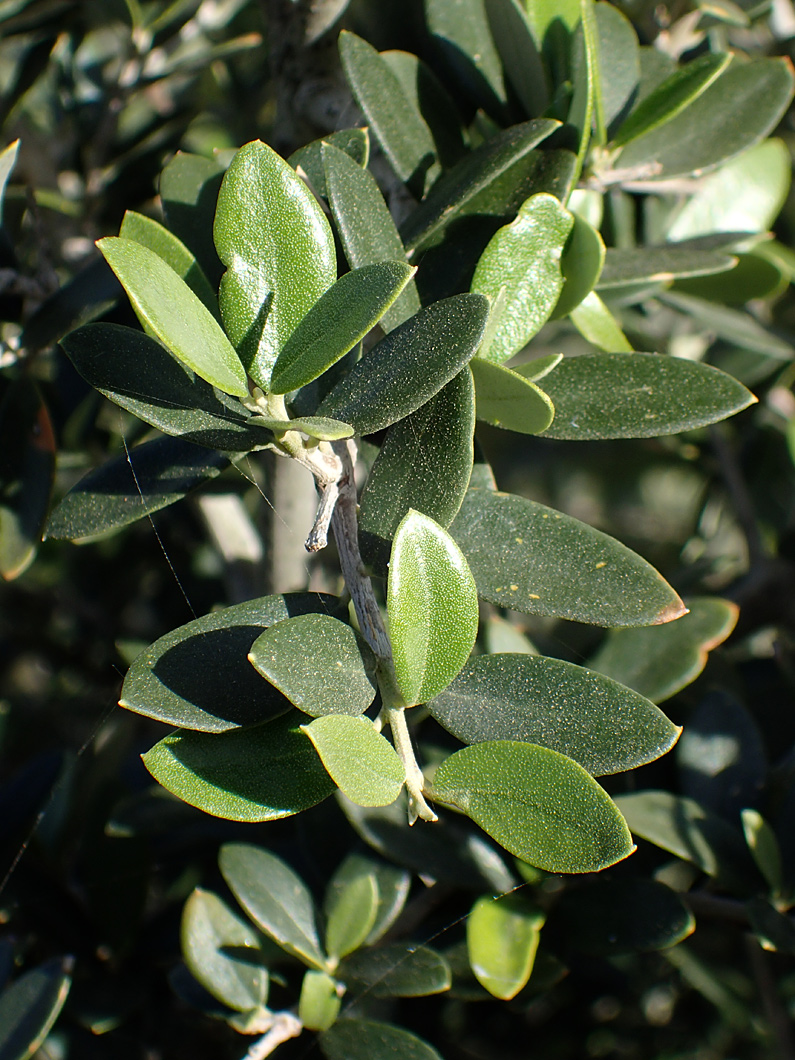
(676, 609)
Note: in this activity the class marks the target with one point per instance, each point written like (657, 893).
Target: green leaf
(597, 325)
(172, 250)
(773, 929)
(319, 663)
(658, 661)
(505, 399)
(92, 292)
(392, 889)
(30, 1007)
(350, 909)
(586, 115)
(360, 761)
(189, 188)
(365, 226)
(319, 1003)
(319, 427)
(763, 844)
(198, 677)
(353, 143)
(425, 463)
(670, 97)
(355, 1039)
(501, 636)
(524, 259)
(410, 365)
(210, 930)
(531, 558)
(275, 898)
(754, 276)
(745, 195)
(519, 53)
(136, 372)
(27, 470)
(659, 264)
(396, 970)
(619, 916)
(580, 265)
(397, 125)
(432, 607)
(170, 309)
(538, 367)
(461, 35)
(141, 481)
(8, 158)
(494, 180)
(502, 939)
(619, 61)
(732, 325)
(736, 111)
(337, 321)
(262, 773)
(599, 723)
(538, 804)
(277, 245)
(638, 395)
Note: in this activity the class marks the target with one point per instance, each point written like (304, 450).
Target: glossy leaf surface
(350, 909)
(361, 762)
(502, 939)
(319, 663)
(638, 395)
(365, 226)
(198, 677)
(141, 481)
(658, 661)
(505, 399)
(279, 252)
(432, 608)
(524, 259)
(425, 463)
(30, 1007)
(262, 773)
(599, 723)
(531, 558)
(175, 314)
(354, 1039)
(410, 365)
(397, 971)
(538, 804)
(336, 322)
(275, 898)
(209, 931)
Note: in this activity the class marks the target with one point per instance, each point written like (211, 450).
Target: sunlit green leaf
(764, 847)
(580, 264)
(392, 888)
(360, 761)
(319, 1003)
(502, 939)
(597, 325)
(505, 399)
(350, 909)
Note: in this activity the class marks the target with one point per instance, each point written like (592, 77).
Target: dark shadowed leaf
(189, 188)
(502, 939)
(599, 723)
(353, 143)
(538, 804)
(139, 482)
(531, 558)
(30, 1007)
(262, 773)
(519, 53)
(396, 970)
(431, 99)
(355, 1039)
(462, 38)
(362, 763)
(89, 294)
(619, 61)
(581, 264)
(198, 676)
(638, 395)
(764, 847)
(663, 263)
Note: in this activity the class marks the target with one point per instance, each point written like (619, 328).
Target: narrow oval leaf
(350, 914)
(494, 179)
(425, 462)
(672, 96)
(581, 265)
(538, 367)
(8, 158)
(461, 36)
(652, 264)
(319, 663)
(30, 1007)
(597, 325)
(397, 125)
(319, 1003)
(524, 259)
(505, 399)
(392, 889)
(638, 395)
(764, 847)
(658, 661)
(531, 558)
(396, 970)
(175, 315)
(354, 1039)
(519, 53)
(736, 327)
(432, 607)
(538, 804)
(149, 233)
(360, 761)
(197, 676)
(353, 143)
(141, 481)
(410, 365)
(337, 321)
(277, 245)
(210, 930)
(319, 427)
(431, 99)
(275, 898)
(189, 188)
(753, 276)
(599, 723)
(502, 939)
(619, 61)
(259, 774)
